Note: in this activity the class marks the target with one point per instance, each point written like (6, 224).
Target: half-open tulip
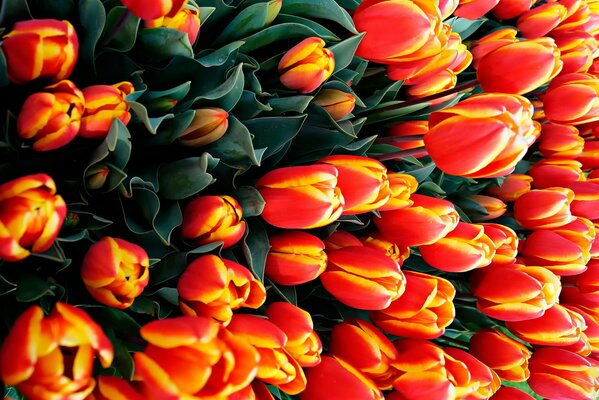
(154, 9)
(336, 103)
(51, 118)
(586, 199)
(397, 253)
(572, 99)
(423, 311)
(115, 271)
(52, 357)
(310, 192)
(514, 186)
(45, 48)
(560, 141)
(505, 240)
(402, 186)
(209, 219)
(185, 20)
(213, 287)
(483, 380)
(104, 103)
(208, 125)
(31, 215)
(306, 65)
(544, 208)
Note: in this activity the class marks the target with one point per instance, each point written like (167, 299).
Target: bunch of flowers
(299, 199)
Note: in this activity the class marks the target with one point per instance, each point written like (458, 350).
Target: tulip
(362, 345)
(498, 126)
(52, 357)
(541, 20)
(154, 9)
(483, 381)
(511, 393)
(112, 388)
(397, 253)
(505, 241)
(590, 155)
(208, 125)
(426, 221)
(559, 326)
(491, 42)
(213, 287)
(474, 9)
(311, 192)
(294, 258)
(584, 287)
(577, 49)
(511, 9)
(336, 103)
(586, 199)
(31, 215)
(513, 292)
(589, 341)
(185, 20)
(506, 356)
(190, 358)
(209, 219)
(363, 278)
(402, 186)
(423, 311)
(40, 48)
(276, 366)
(494, 207)
(572, 99)
(447, 7)
(562, 254)
(544, 208)
(340, 239)
(463, 249)
(303, 343)
(115, 271)
(306, 65)
(95, 176)
(560, 141)
(412, 129)
(443, 80)
(512, 187)
(104, 103)
(51, 118)
(555, 172)
(334, 378)
(557, 374)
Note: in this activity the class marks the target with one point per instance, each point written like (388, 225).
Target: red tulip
(586, 199)
(494, 207)
(208, 125)
(560, 141)
(553, 172)
(545, 208)
(340, 239)
(510, 393)
(514, 186)
(511, 9)
(584, 287)
(505, 241)
(397, 253)
(186, 20)
(306, 65)
(483, 381)
(590, 154)
(474, 9)
(541, 20)
(104, 103)
(572, 99)
(154, 8)
(112, 388)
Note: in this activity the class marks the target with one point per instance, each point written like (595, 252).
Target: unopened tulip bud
(494, 207)
(95, 177)
(539, 21)
(552, 172)
(544, 208)
(186, 20)
(560, 141)
(306, 65)
(402, 186)
(336, 103)
(103, 103)
(583, 89)
(208, 125)
(514, 186)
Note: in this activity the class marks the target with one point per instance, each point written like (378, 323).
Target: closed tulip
(40, 48)
(104, 103)
(209, 219)
(303, 343)
(154, 8)
(310, 191)
(442, 80)
(336, 103)
(494, 207)
(514, 186)
(113, 388)
(115, 271)
(492, 41)
(511, 393)
(423, 311)
(513, 292)
(560, 141)
(483, 380)
(294, 258)
(185, 20)
(590, 155)
(558, 374)
(52, 357)
(544, 208)
(584, 287)
(588, 345)
(402, 186)
(413, 130)
(506, 356)
(498, 126)
(586, 199)
(51, 118)
(306, 65)
(397, 253)
(552, 172)
(96, 175)
(474, 9)
(213, 287)
(340, 239)
(208, 125)
(463, 249)
(363, 278)
(577, 49)
(362, 345)
(505, 241)
(511, 9)
(541, 20)
(582, 92)
(31, 215)
(426, 221)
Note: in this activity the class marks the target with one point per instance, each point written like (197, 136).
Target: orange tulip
(311, 192)
(544, 208)
(555, 172)
(397, 253)
(402, 186)
(40, 48)
(590, 155)
(115, 271)
(498, 126)
(514, 186)
(572, 99)
(474, 9)
(511, 393)
(52, 357)
(423, 311)
(303, 343)
(209, 219)
(208, 125)
(492, 41)
(294, 258)
(363, 278)
(483, 381)
(589, 341)
(560, 141)
(306, 65)
(413, 129)
(31, 215)
(511, 9)
(186, 20)
(442, 80)
(51, 118)
(405, 226)
(513, 292)
(104, 103)
(505, 241)
(583, 288)
(541, 20)
(586, 199)
(494, 207)
(153, 9)
(112, 388)
(336, 103)
(507, 357)
(340, 239)
(577, 49)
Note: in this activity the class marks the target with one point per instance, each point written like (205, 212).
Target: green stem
(398, 139)
(398, 155)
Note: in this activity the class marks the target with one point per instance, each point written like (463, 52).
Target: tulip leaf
(225, 96)
(465, 27)
(171, 295)
(249, 106)
(395, 114)
(171, 266)
(218, 57)
(121, 29)
(288, 293)
(283, 31)
(31, 287)
(172, 128)
(318, 29)
(386, 93)
(235, 147)
(12, 11)
(282, 105)
(183, 178)
(345, 50)
(176, 93)
(3, 69)
(93, 17)
(60, 10)
(431, 189)
(118, 320)
(251, 201)
(327, 9)
(273, 133)
(357, 148)
(151, 123)
(123, 362)
(159, 44)
(248, 21)
(421, 173)
(255, 247)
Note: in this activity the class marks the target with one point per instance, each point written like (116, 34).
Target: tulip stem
(120, 23)
(399, 155)
(398, 139)
(453, 342)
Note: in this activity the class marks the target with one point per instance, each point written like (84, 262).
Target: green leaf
(288, 293)
(282, 105)
(249, 20)
(225, 95)
(255, 247)
(31, 287)
(249, 106)
(235, 148)
(123, 362)
(150, 123)
(218, 57)
(159, 44)
(327, 9)
(387, 93)
(344, 51)
(358, 148)
(465, 27)
(172, 128)
(282, 31)
(395, 114)
(171, 266)
(183, 178)
(171, 295)
(273, 133)
(176, 93)
(3, 76)
(12, 11)
(251, 201)
(93, 17)
(423, 172)
(121, 29)
(118, 320)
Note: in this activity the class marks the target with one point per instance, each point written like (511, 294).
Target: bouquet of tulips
(299, 199)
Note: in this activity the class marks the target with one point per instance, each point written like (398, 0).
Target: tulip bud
(541, 20)
(397, 254)
(552, 172)
(583, 89)
(115, 271)
(423, 311)
(544, 208)
(31, 215)
(95, 176)
(514, 186)
(363, 182)
(274, 7)
(209, 219)
(586, 199)
(511, 393)
(306, 65)
(340, 239)
(413, 129)
(103, 103)
(590, 155)
(583, 288)
(51, 118)
(45, 48)
(294, 258)
(152, 9)
(494, 207)
(208, 125)
(336, 103)
(505, 241)
(402, 186)
(483, 381)
(444, 79)
(363, 278)
(560, 141)
(185, 20)
(474, 9)
(512, 8)
(310, 191)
